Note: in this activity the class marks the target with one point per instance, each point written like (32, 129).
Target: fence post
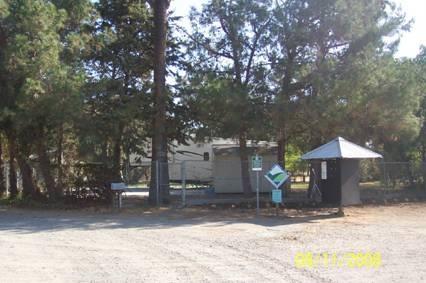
(257, 194)
(423, 167)
(157, 187)
(384, 176)
(183, 176)
(6, 174)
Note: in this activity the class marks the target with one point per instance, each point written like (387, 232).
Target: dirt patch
(209, 245)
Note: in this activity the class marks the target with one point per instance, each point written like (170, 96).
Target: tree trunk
(423, 166)
(13, 183)
(2, 178)
(29, 189)
(104, 152)
(46, 170)
(116, 155)
(59, 156)
(244, 160)
(159, 141)
(281, 153)
(282, 141)
(281, 161)
(282, 112)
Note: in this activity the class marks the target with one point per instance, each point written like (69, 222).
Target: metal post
(6, 174)
(119, 200)
(257, 193)
(183, 176)
(157, 165)
(384, 175)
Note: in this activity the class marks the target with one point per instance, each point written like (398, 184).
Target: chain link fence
(223, 179)
(392, 181)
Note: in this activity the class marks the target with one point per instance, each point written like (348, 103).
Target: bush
(91, 182)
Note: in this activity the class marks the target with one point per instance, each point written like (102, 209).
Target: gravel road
(195, 245)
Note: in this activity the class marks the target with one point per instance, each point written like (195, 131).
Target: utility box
(330, 182)
(338, 178)
(341, 183)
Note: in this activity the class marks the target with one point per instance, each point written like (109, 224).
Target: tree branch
(206, 45)
(253, 49)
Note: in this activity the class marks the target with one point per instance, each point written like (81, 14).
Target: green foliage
(293, 162)
(335, 74)
(227, 48)
(418, 152)
(41, 88)
(76, 80)
(222, 108)
(40, 82)
(228, 87)
(378, 98)
(117, 95)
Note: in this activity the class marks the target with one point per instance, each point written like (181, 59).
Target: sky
(410, 41)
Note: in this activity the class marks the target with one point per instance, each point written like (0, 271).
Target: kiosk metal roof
(340, 148)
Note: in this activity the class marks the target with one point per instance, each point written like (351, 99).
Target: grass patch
(299, 186)
(63, 203)
(22, 202)
(371, 185)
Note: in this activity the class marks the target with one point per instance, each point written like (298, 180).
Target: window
(206, 156)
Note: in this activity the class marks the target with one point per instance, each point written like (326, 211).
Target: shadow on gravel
(36, 221)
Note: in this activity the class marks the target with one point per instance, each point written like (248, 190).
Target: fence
(189, 178)
(378, 179)
(393, 175)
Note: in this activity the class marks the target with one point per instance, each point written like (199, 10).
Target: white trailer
(194, 159)
(214, 162)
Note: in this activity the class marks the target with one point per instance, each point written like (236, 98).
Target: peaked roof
(340, 148)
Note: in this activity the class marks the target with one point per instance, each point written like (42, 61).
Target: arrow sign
(277, 176)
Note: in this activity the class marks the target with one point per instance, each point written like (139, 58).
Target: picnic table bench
(120, 189)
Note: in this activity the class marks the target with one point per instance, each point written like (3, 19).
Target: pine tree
(40, 87)
(117, 96)
(159, 168)
(228, 43)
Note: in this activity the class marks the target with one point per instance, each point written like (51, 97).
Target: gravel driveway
(195, 245)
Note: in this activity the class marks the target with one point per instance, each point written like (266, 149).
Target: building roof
(252, 148)
(340, 148)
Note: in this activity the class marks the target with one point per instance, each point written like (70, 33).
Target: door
(331, 186)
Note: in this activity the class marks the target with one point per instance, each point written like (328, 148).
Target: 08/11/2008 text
(331, 260)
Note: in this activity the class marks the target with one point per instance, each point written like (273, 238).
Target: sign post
(277, 176)
(277, 198)
(256, 165)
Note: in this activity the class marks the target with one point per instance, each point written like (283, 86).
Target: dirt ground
(195, 245)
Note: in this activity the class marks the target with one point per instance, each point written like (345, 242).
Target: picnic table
(118, 189)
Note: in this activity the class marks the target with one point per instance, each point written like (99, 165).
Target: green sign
(277, 176)
(256, 163)
(277, 196)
